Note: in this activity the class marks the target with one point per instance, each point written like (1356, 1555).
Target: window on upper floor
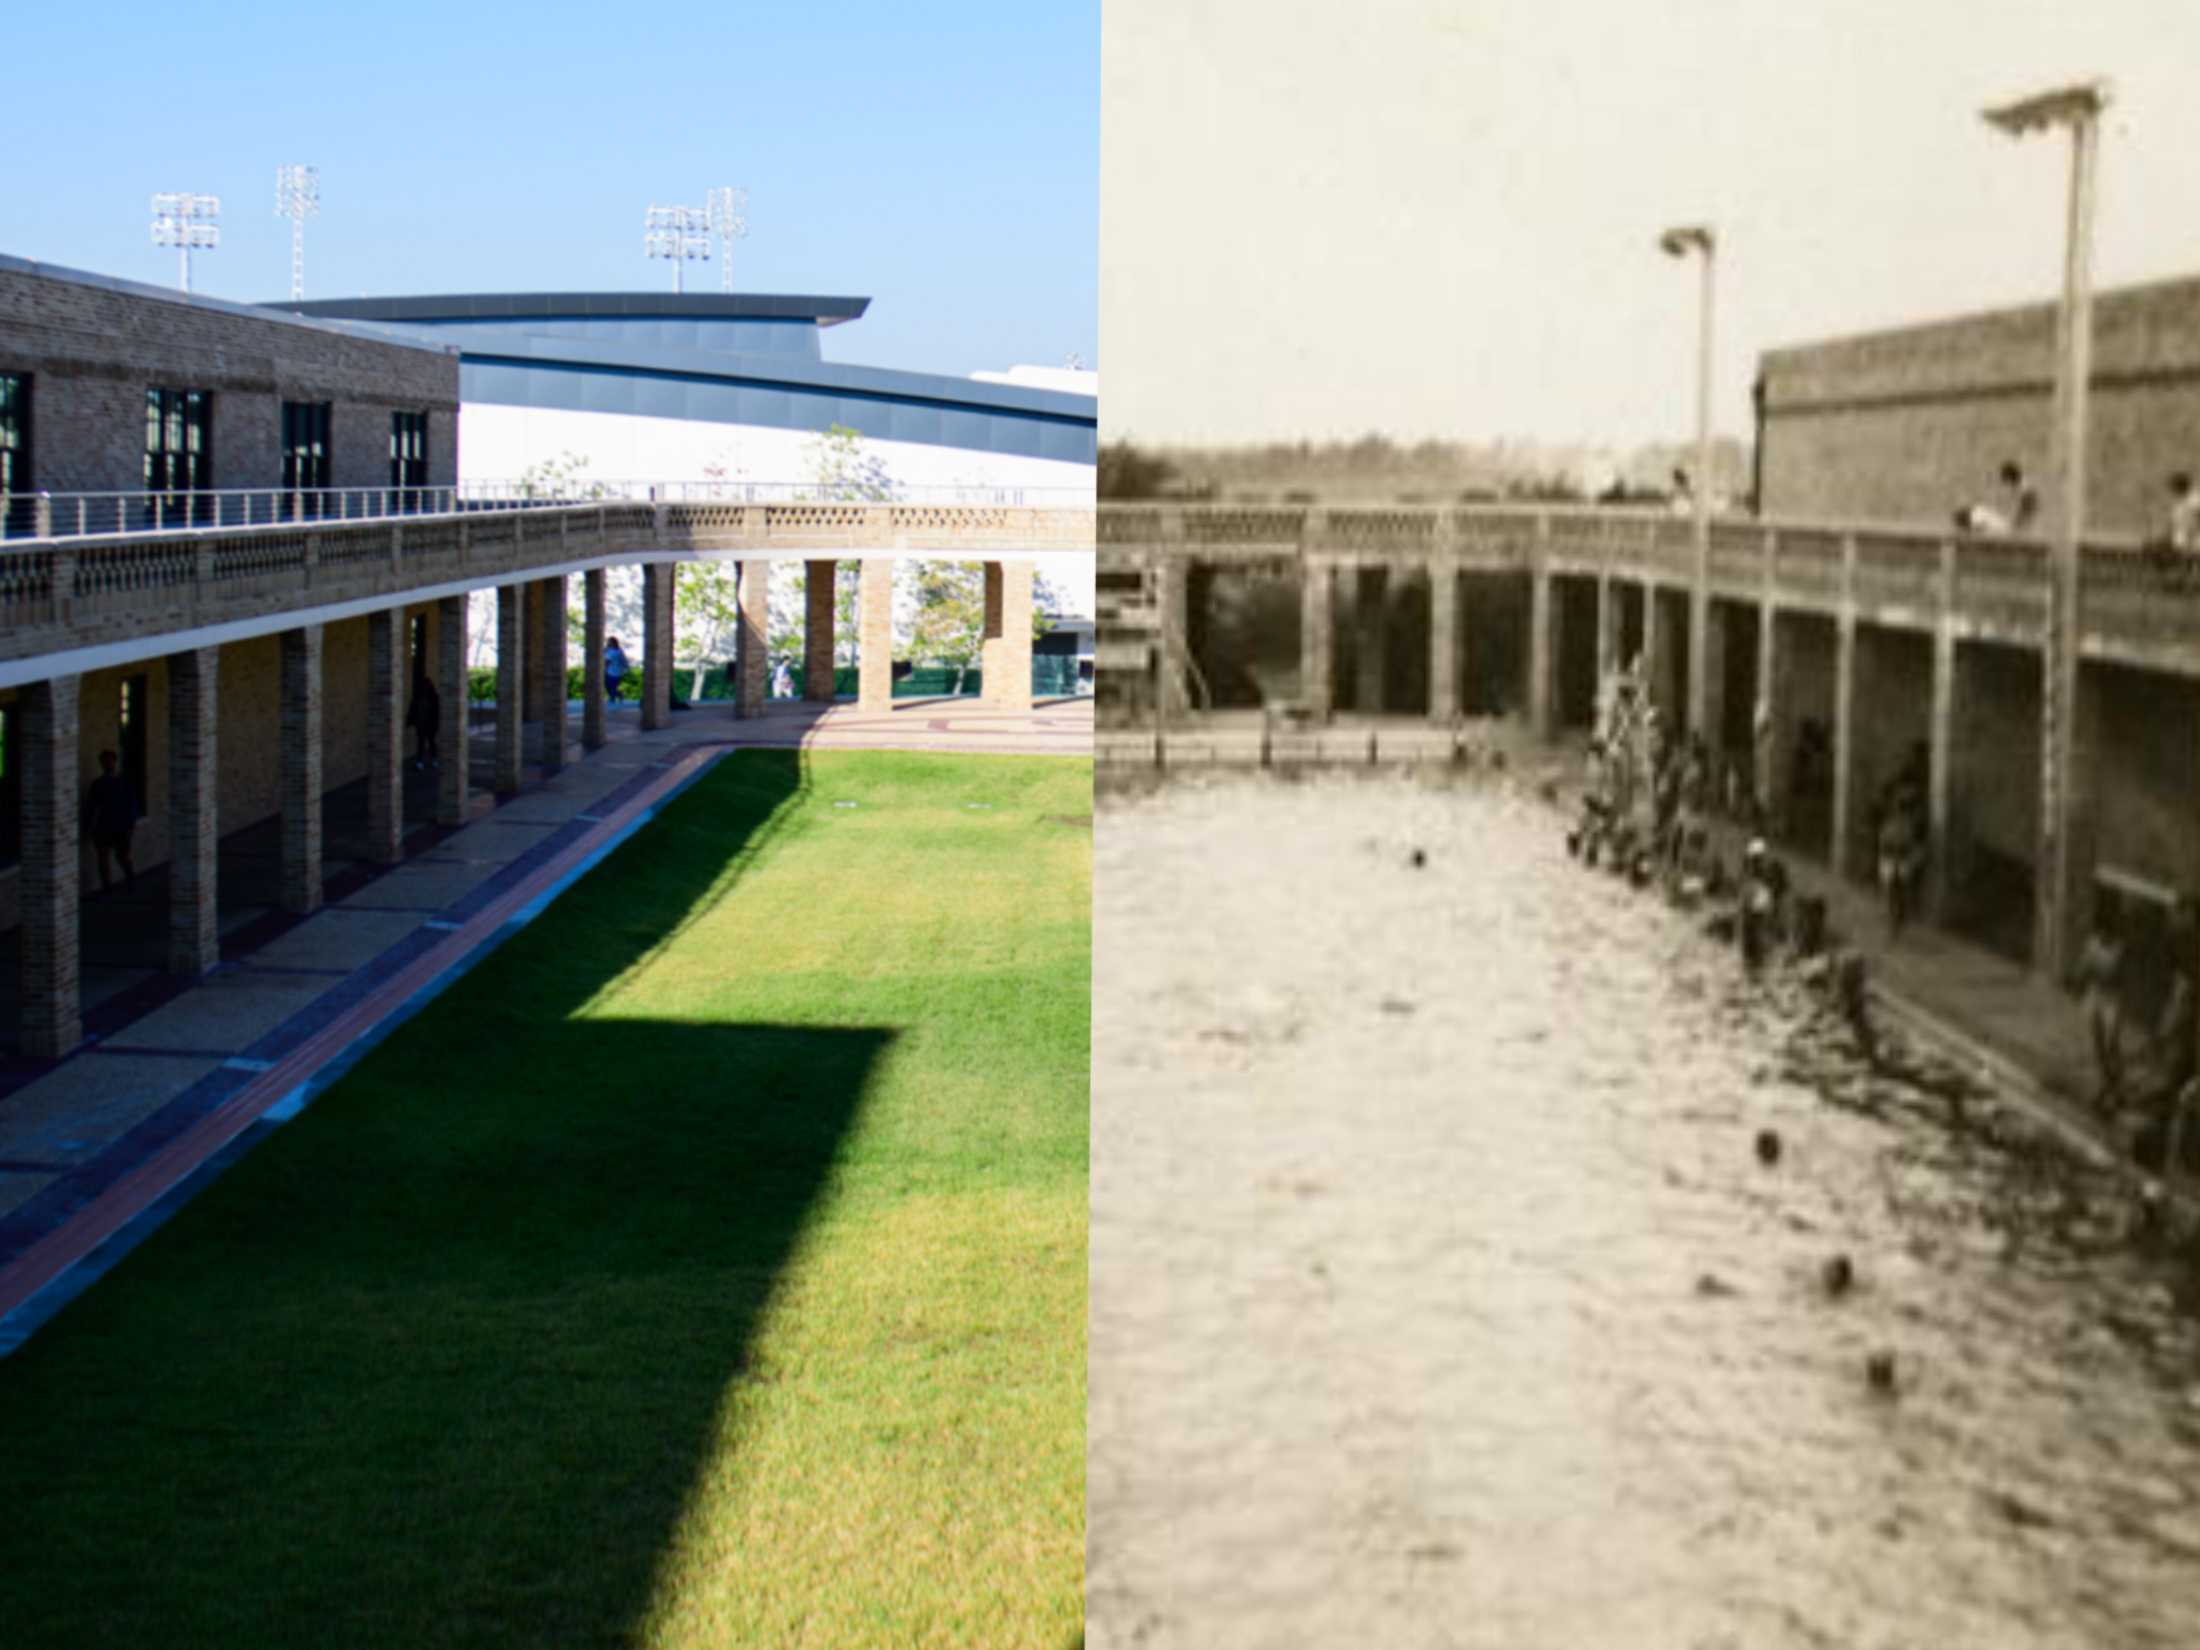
(179, 450)
(409, 452)
(15, 451)
(305, 455)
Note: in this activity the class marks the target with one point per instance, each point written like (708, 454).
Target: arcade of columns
(530, 677)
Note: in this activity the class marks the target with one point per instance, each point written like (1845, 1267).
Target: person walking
(1901, 855)
(2100, 981)
(615, 670)
(425, 718)
(111, 813)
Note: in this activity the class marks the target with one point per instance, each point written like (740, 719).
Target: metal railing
(40, 516)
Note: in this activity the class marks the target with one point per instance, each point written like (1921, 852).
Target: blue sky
(941, 160)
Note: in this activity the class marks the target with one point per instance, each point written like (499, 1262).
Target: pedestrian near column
(111, 813)
(425, 718)
(2100, 984)
(615, 669)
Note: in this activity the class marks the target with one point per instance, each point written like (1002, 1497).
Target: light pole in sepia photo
(1678, 243)
(2079, 108)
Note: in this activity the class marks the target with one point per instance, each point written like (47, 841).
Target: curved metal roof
(488, 306)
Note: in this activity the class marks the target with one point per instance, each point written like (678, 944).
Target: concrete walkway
(182, 1073)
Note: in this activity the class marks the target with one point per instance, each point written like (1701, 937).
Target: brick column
(454, 795)
(1838, 855)
(657, 638)
(530, 680)
(1370, 590)
(817, 631)
(1172, 604)
(453, 792)
(386, 691)
(52, 875)
(1007, 682)
(547, 656)
(2081, 789)
(1941, 732)
(1707, 663)
(1542, 600)
(1318, 636)
(1443, 641)
(194, 823)
(875, 637)
(511, 691)
(1608, 659)
(592, 646)
(755, 632)
(301, 768)
(1767, 733)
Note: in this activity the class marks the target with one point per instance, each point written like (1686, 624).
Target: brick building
(1906, 425)
(112, 386)
(234, 551)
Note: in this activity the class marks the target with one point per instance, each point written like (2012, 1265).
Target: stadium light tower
(678, 233)
(1678, 243)
(187, 222)
(725, 208)
(297, 197)
(2079, 108)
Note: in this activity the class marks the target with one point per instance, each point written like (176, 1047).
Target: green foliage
(1128, 472)
(842, 468)
(559, 477)
(950, 608)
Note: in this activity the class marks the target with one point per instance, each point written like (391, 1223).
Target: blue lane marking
(26, 1320)
(238, 1062)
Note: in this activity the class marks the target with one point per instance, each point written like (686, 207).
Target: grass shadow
(438, 1364)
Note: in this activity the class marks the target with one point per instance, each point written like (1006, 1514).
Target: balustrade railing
(2140, 603)
(43, 515)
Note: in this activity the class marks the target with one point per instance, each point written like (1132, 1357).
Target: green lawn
(705, 1268)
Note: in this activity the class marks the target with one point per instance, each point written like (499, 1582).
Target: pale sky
(1440, 219)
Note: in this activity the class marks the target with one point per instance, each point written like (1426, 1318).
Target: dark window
(409, 450)
(305, 453)
(11, 787)
(18, 512)
(15, 433)
(130, 733)
(179, 457)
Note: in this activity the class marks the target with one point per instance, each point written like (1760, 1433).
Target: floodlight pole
(2057, 900)
(1677, 243)
(297, 197)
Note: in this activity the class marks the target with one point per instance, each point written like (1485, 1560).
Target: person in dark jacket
(111, 813)
(425, 718)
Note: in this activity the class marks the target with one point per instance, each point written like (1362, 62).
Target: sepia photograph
(1648, 827)
(546, 682)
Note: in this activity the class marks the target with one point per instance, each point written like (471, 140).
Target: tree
(843, 468)
(559, 477)
(950, 614)
(706, 611)
(1126, 472)
(1046, 604)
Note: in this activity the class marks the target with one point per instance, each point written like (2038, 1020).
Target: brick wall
(1909, 424)
(93, 347)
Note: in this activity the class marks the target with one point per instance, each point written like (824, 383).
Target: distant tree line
(1423, 472)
